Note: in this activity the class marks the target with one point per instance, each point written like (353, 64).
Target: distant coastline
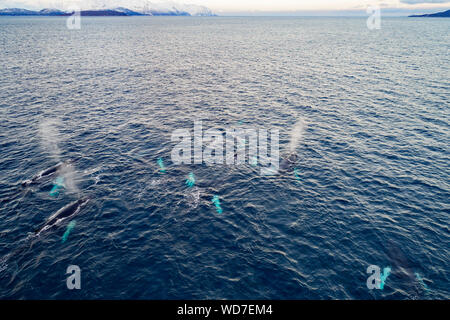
(53, 13)
(444, 14)
(190, 10)
(124, 12)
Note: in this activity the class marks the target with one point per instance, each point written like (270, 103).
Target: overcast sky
(224, 6)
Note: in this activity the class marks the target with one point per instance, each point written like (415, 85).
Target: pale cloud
(424, 1)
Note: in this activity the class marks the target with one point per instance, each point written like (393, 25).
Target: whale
(62, 214)
(289, 162)
(403, 268)
(46, 173)
(401, 264)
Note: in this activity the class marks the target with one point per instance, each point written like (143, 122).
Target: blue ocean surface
(371, 184)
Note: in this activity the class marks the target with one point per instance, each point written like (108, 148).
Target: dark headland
(445, 14)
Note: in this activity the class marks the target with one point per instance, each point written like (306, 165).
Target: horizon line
(394, 12)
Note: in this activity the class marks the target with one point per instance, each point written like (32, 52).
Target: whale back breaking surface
(402, 267)
(46, 173)
(68, 211)
(289, 162)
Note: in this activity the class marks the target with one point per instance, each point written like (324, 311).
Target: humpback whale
(46, 173)
(289, 162)
(399, 260)
(402, 267)
(62, 214)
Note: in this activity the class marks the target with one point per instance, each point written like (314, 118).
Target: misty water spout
(50, 139)
(296, 135)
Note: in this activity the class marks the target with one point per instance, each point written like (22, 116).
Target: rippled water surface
(371, 185)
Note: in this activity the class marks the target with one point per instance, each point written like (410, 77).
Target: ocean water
(371, 184)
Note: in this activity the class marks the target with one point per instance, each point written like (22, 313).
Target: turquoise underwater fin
(58, 184)
(216, 202)
(69, 229)
(162, 168)
(190, 181)
(383, 277)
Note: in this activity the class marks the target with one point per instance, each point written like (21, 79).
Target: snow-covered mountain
(17, 12)
(149, 7)
(156, 8)
(174, 8)
(51, 12)
(25, 12)
(128, 12)
(127, 7)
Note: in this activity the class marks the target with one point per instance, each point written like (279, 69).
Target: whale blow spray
(50, 138)
(296, 135)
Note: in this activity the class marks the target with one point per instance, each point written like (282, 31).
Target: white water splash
(193, 198)
(91, 171)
